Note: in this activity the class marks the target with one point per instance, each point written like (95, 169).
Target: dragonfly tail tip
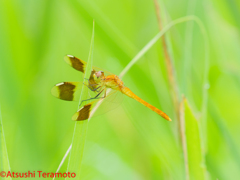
(168, 119)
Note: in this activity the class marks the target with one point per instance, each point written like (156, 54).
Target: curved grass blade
(80, 130)
(155, 39)
(4, 161)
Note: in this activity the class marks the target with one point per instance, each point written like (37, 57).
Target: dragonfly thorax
(113, 82)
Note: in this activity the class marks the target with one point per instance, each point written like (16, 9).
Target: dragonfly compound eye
(99, 73)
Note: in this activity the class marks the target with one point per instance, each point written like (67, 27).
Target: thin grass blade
(155, 39)
(4, 161)
(80, 130)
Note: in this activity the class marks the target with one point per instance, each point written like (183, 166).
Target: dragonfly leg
(96, 89)
(96, 97)
(89, 87)
(92, 85)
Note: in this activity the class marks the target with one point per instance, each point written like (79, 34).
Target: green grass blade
(63, 159)
(4, 161)
(80, 130)
(155, 39)
(194, 150)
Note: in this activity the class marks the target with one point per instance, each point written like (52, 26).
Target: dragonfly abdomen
(129, 93)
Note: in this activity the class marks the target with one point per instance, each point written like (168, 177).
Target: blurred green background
(130, 142)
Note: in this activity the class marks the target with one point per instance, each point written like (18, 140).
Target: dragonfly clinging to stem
(98, 82)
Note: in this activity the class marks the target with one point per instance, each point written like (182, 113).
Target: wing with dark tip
(83, 113)
(80, 65)
(76, 63)
(69, 91)
(110, 102)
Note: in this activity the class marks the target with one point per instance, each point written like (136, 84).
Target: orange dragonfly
(98, 82)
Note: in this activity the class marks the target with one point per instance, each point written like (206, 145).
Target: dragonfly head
(98, 76)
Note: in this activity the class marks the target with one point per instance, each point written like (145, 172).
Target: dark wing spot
(84, 112)
(66, 91)
(77, 63)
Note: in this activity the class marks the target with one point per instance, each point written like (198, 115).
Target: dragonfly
(98, 82)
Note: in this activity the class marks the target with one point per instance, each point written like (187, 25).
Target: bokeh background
(130, 142)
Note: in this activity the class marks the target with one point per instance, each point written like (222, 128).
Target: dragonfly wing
(110, 102)
(83, 113)
(80, 65)
(75, 62)
(69, 91)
